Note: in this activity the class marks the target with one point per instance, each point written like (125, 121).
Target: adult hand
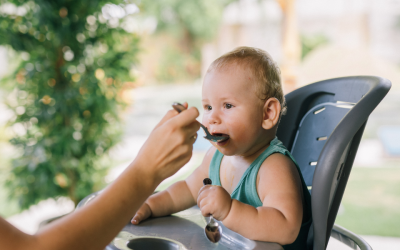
(214, 200)
(170, 144)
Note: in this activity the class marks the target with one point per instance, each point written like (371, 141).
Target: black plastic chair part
(323, 128)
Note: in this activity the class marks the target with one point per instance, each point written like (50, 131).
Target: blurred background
(84, 83)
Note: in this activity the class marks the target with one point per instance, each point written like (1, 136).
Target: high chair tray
(181, 231)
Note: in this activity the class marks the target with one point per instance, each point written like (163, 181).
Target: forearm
(174, 199)
(92, 227)
(262, 223)
(111, 210)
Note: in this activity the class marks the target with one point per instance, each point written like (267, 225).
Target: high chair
(322, 129)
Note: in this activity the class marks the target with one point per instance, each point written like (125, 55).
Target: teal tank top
(246, 190)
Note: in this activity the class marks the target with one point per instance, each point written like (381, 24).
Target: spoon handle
(207, 181)
(205, 130)
(178, 107)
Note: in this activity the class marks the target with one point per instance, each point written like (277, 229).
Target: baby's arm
(279, 219)
(179, 196)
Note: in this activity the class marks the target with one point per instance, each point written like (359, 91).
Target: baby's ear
(271, 112)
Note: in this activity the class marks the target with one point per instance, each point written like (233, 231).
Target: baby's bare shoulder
(277, 173)
(195, 180)
(210, 153)
(277, 163)
(208, 157)
(205, 164)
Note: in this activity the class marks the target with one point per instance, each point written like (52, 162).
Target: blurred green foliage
(189, 20)
(311, 42)
(191, 23)
(7, 207)
(176, 65)
(65, 91)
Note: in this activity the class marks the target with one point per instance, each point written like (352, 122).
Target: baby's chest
(230, 176)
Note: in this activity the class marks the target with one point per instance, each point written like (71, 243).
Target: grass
(371, 203)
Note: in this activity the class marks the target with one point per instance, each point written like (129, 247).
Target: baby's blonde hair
(261, 65)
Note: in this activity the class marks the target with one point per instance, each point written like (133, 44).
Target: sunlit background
(83, 85)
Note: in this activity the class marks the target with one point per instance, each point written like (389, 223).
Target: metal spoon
(212, 230)
(179, 107)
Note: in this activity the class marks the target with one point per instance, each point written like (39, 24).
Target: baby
(258, 190)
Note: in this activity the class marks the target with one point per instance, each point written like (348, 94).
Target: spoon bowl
(179, 107)
(213, 231)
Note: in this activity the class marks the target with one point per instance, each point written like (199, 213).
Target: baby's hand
(143, 213)
(214, 200)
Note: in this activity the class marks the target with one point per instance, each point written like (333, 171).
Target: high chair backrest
(322, 129)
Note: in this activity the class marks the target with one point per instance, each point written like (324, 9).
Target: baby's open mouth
(221, 135)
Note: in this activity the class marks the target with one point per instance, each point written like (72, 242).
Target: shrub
(72, 63)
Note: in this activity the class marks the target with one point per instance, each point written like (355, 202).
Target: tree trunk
(291, 45)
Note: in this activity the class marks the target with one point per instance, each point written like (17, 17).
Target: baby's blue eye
(208, 107)
(228, 106)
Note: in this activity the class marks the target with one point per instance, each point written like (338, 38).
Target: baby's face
(232, 107)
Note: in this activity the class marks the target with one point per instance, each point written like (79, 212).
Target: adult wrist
(146, 175)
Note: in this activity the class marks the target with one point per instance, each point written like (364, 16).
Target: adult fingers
(190, 132)
(186, 117)
(171, 113)
(192, 139)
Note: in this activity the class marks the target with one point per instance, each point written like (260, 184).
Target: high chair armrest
(349, 238)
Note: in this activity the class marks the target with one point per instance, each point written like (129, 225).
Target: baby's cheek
(237, 128)
(204, 120)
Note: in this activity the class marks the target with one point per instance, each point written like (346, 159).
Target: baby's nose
(214, 118)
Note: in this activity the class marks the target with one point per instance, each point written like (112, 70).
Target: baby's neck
(252, 154)
(234, 166)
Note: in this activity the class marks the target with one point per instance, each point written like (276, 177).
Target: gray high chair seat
(322, 128)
